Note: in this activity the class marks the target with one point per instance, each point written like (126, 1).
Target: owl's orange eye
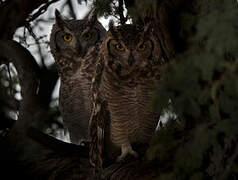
(68, 37)
(120, 47)
(87, 36)
(141, 47)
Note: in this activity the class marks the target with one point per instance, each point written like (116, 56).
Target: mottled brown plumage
(75, 46)
(126, 72)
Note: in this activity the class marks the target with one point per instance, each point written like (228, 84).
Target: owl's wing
(62, 105)
(99, 120)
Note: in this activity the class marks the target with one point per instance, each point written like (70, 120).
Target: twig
(37, 43)
(121, 9)
(41, 10)
(71, 9)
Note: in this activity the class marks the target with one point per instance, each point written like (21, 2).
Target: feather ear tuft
(58, 17)
(112, 28)
(146, 27)
(60, 22)
(111, 24)
(92, 16)
(57, 14)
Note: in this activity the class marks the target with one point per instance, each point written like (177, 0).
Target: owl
(75, 45)
(127, 69)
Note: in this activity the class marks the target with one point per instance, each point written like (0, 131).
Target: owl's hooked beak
(131, 60)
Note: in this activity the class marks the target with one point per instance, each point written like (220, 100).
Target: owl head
(131, 50)
(73, 38)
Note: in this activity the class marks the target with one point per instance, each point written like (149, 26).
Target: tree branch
(40, 11)
(26, 66)
(121, 10)
(69, 2)
(14, 14)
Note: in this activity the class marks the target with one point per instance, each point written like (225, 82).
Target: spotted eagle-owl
(75, 45)
(127, 70)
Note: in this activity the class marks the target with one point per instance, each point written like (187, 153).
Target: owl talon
(125, 150)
